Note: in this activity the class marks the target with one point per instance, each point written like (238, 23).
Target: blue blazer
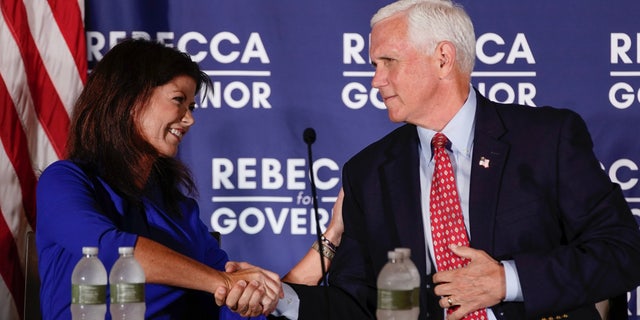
(543, 201)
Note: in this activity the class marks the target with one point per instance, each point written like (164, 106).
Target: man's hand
(251, 291)
(480, 284)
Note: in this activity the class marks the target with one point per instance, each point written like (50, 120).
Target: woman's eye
(179, 99)
(192, 107)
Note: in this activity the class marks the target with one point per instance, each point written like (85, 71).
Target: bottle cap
(405, 252)
(90, 250)
(125, 250)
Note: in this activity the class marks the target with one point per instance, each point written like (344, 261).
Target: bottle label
(415, 297)
(395, 299)
(127, 292)
(88, 294)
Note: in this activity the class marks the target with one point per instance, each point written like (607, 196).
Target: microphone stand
(309, 137)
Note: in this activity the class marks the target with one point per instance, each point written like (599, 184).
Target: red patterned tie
(447, 222)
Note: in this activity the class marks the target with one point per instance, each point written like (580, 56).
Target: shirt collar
(459, 130)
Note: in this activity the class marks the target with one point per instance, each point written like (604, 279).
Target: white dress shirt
(460, 132)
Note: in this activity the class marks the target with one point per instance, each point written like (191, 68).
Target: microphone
(309, 137)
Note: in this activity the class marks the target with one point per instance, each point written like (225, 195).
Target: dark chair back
(32, 279)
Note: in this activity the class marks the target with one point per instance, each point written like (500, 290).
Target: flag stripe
(7, 310)
(11, 270)
(63, 71)
(68, 16)
(50, 109)
(14, 142)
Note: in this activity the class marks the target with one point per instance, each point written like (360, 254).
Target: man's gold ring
(450, 302)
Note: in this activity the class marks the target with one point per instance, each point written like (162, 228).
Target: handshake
(249, 291)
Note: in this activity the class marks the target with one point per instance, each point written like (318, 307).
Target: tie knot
(439, 140)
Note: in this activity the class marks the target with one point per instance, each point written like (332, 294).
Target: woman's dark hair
(104, 135)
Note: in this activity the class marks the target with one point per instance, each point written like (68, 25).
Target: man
(550, 235)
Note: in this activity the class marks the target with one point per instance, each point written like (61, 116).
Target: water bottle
(415, 280)
(395, 289)
(89, 287)
(126, 281)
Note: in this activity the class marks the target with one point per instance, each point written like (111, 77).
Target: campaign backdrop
(279, 67)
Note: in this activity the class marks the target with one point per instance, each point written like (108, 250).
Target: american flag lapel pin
(484, 162)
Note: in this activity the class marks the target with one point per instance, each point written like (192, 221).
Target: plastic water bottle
(395, 289)
(415, 280)
(126, 281)
(89, 287)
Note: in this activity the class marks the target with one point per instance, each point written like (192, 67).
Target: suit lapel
(401, 174)
(487, 166)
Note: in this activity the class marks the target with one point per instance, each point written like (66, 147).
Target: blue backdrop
(281, 66)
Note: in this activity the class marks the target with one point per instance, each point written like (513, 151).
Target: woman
(121, 186)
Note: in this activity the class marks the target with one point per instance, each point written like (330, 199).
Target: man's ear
(446, 55)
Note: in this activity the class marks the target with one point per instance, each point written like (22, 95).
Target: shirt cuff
(289, 305)
(514, 291)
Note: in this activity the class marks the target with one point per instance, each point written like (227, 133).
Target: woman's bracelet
(328, 248)
(326, 251)
(327, 242)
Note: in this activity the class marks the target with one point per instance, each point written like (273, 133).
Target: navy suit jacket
(543, 201)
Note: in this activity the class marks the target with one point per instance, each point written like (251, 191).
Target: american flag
(43, 66)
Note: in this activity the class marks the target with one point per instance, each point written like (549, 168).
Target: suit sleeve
(323, 303)
(351, 293)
